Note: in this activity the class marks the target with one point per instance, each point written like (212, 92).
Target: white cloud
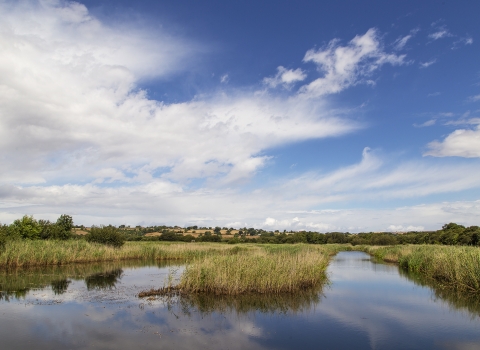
(343, 66)
(460, 143)
(285, 77)
(72, 111)
(475, 98)
(437, 93)
(428, 63)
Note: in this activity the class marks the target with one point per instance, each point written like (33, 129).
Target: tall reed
(456, 267)
(259, 271)
(45, 252)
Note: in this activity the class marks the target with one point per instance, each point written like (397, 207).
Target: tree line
(62, 229)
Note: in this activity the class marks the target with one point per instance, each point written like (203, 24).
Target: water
(366, 306)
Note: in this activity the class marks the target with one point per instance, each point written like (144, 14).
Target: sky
(298, 115)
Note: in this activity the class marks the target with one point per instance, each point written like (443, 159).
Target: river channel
(365, 305)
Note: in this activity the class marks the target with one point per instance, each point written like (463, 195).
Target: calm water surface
(366, 306)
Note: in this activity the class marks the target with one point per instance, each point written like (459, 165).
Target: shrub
(108, 235)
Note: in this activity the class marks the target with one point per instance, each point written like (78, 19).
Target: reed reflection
(205, 303)
(456, 299)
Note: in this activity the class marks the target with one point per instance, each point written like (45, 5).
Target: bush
(209, 238)
(108, 235)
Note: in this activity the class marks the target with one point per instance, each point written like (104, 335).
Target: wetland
(362, 304)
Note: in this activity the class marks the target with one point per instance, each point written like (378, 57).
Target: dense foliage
(30, 229)
(108, 235)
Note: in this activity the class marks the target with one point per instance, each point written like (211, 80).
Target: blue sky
(351, 116)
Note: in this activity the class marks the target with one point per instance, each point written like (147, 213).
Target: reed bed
(42, 253)
(452, 266)
(258, 271)
(24, 253)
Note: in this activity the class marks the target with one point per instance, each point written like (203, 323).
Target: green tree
(49, 229)
(26, 228)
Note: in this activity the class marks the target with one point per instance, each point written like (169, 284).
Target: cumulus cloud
(343, 66)
(460, 143)
(285, 77)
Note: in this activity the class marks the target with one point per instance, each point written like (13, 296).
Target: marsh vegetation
(453, 267)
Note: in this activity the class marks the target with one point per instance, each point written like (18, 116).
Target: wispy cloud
(427, 123)
(224, 79)
(462, 42)
(428, 63)
(433, 94)
(286, 203)
(440, 34)
(474, 98)
(400, 43)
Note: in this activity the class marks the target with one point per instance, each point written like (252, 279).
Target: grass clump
(259, 271)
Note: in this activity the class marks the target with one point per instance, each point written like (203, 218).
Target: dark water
(366, 306)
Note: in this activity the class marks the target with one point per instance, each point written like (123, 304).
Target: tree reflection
(103, 280)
